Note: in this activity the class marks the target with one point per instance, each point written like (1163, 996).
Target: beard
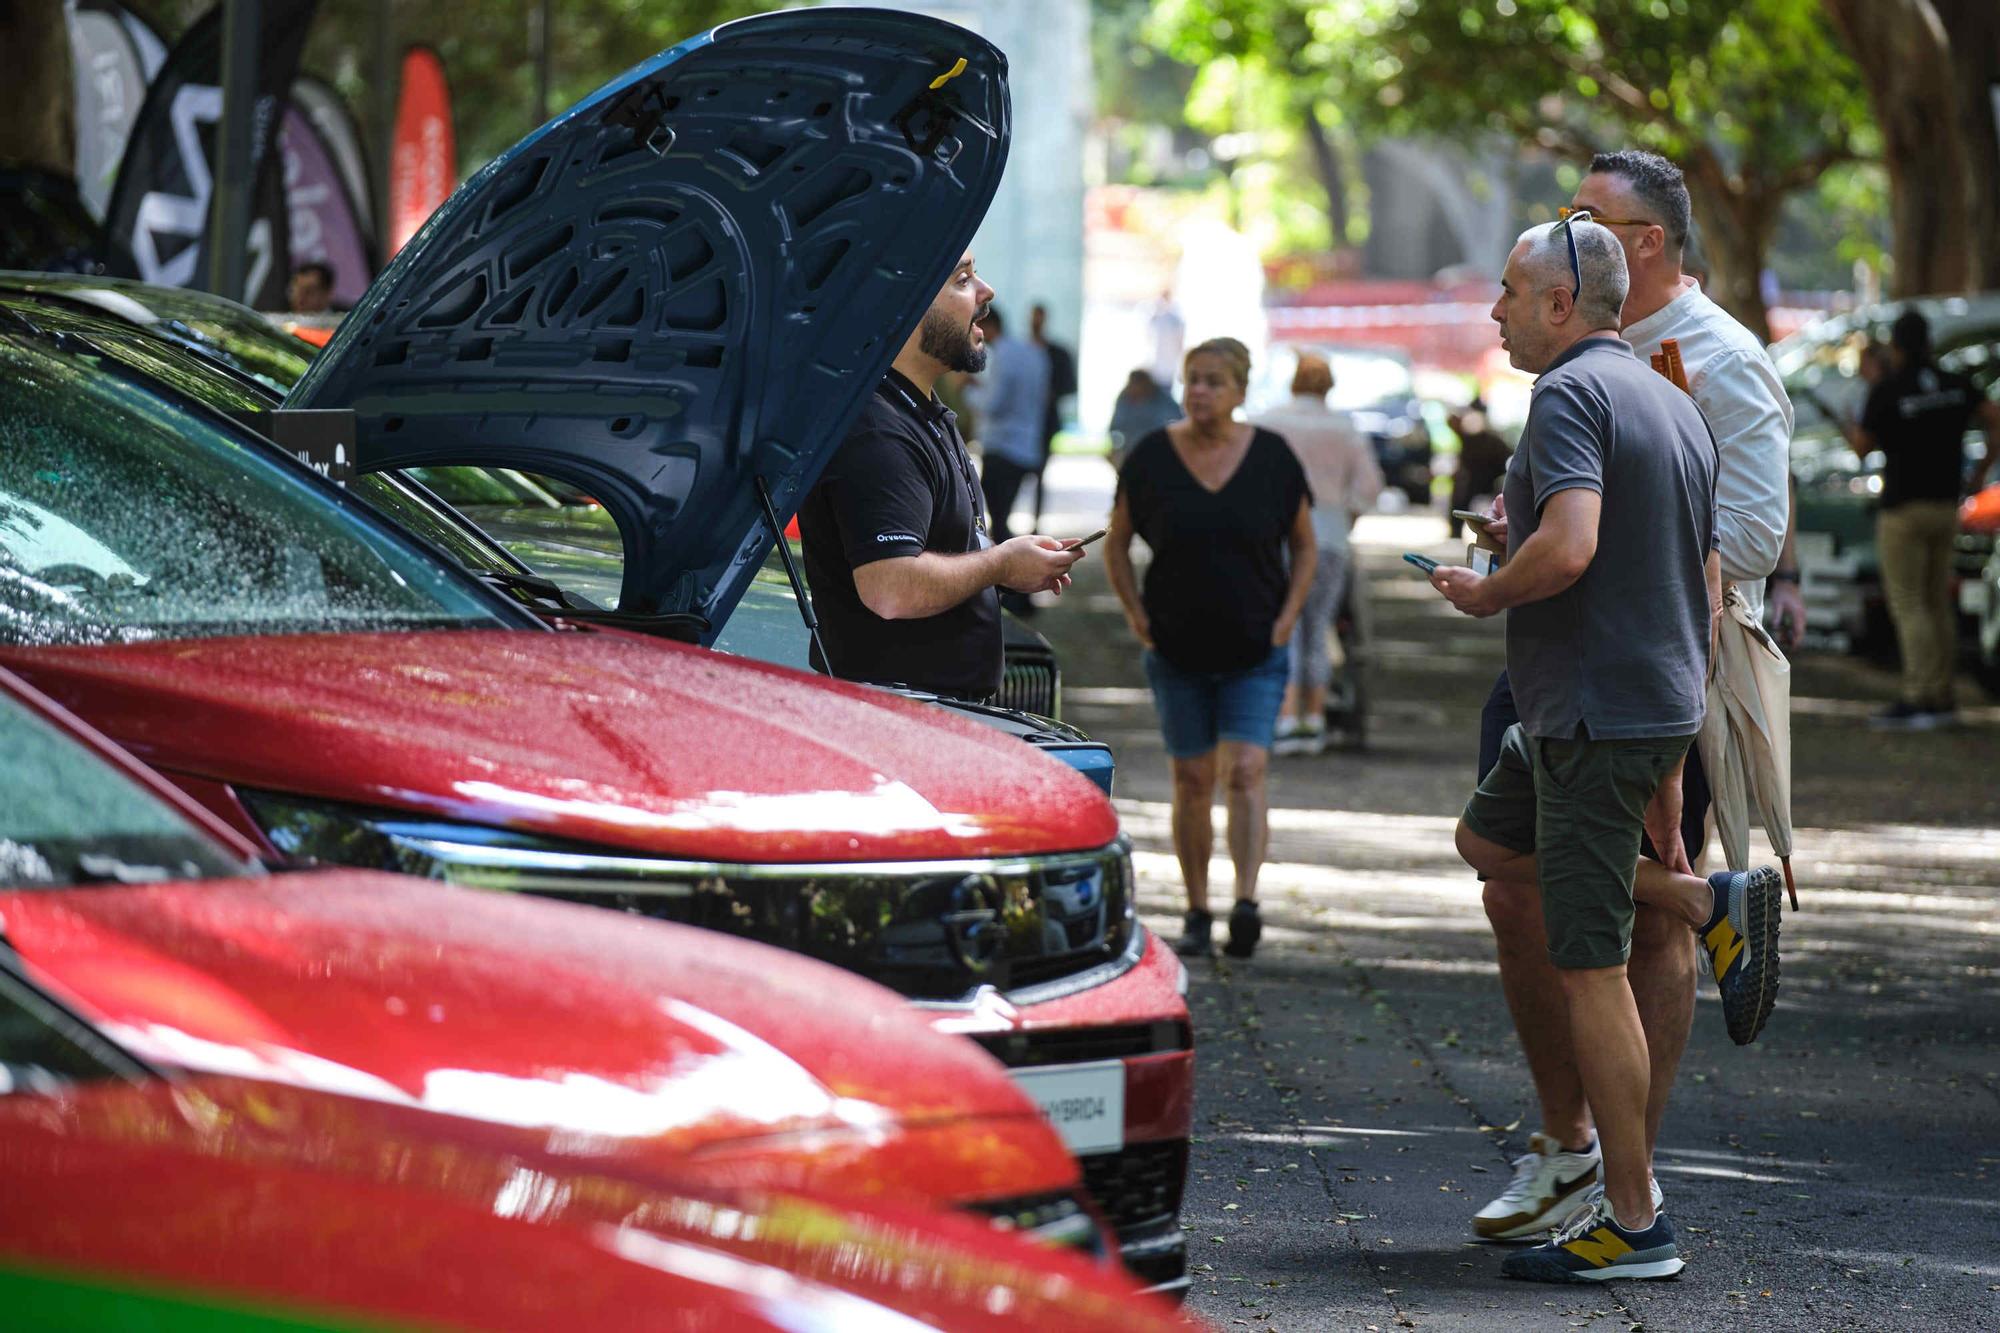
(949, 343)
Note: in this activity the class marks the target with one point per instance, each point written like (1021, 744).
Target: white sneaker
(1294, 739)
(1548, 1185)
(1595, 1194)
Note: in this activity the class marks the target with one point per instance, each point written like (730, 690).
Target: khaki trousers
(1914, 541)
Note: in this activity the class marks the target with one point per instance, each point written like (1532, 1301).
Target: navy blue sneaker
(1592, 1247)
(1741, 937)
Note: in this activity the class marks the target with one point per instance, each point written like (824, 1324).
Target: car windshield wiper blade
(101, 868)
(508, 580)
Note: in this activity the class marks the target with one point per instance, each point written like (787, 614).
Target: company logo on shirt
(898, 537)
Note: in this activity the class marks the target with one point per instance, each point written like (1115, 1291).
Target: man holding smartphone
(1641, 199)
(1609, 580)
(905, 578)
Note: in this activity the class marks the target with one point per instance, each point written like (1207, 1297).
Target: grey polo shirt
(1623, 651)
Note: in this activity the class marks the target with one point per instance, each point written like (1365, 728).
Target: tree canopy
(1753, 98)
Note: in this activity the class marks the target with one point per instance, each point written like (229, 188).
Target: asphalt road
(1360, 1091)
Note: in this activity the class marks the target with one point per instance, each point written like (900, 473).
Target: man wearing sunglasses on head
(1610, 578)
(1641, 199)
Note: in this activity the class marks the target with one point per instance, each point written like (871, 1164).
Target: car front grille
(1065, 1046)
(938, 935)
(1138, 1187)
(1029, 683)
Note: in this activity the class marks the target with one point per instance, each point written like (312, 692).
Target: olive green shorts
(1580, 806)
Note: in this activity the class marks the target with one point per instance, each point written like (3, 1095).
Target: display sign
(423, 162)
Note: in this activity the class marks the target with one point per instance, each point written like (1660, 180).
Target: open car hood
(687, 284)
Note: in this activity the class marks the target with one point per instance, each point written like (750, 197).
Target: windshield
(67, 817)
(226, 332)
(387, 492)
(125, 517)
(44, 1049)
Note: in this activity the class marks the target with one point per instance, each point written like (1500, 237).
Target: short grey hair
(1602, 280)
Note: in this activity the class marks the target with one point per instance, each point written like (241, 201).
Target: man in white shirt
(1346, 480)
(1642, 198)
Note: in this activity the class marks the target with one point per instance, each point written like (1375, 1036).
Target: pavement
(1360, 1092)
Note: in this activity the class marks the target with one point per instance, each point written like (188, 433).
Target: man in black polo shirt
(1917, 417)
(904, 577)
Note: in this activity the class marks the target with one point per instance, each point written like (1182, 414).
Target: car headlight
(934, 930)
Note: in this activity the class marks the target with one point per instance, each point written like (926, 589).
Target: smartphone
(1479, 521)
(1423, 562)
(1085, 541)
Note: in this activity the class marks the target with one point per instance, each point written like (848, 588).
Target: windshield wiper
(534, 585)
(101, 868)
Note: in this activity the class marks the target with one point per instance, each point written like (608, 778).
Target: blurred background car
(1822, 367)
(1980, 517)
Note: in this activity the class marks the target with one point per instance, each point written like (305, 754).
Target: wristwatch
(1783, 576)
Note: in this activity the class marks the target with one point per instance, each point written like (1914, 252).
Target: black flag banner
(166, 183)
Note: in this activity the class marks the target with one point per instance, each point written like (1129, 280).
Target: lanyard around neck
(955, 451)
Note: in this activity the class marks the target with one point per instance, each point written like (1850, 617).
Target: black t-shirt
(1220, 566)
(900, 484)
(1917, 418)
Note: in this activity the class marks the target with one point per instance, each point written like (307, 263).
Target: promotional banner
(159, 207)
(323, 221)
(423, 166)
(334, 124)
(110, 77)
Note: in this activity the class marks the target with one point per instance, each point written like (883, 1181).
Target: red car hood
(215, 1202)
(586, 1024)
(605, 739)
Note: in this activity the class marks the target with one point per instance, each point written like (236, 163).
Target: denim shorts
(1199, 708)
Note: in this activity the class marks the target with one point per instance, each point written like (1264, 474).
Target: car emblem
(972, 924)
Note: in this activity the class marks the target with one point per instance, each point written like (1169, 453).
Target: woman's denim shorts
(1199, 708)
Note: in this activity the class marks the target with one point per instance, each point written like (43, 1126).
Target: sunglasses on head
(1570, 215)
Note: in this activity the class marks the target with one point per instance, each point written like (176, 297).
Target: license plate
(1085, 1103)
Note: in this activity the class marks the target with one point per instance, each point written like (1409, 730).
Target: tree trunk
(40, 129)
(1973, 27)
(1736, 224)
(1901, 48)
(1327, 165)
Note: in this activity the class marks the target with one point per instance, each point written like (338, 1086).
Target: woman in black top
(1226, 511)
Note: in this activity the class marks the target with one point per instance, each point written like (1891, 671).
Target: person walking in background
(1610, 587)
(1169, 333)
(1221, 504)
(1482, 460)
(1641, 200)
(1345, 479)
(1917, 416)
(1142, 407)
(1062, 383)
(1011, 399)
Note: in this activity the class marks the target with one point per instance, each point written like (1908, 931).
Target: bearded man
(905, 578)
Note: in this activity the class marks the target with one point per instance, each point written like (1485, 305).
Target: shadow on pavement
(1360, 1092)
